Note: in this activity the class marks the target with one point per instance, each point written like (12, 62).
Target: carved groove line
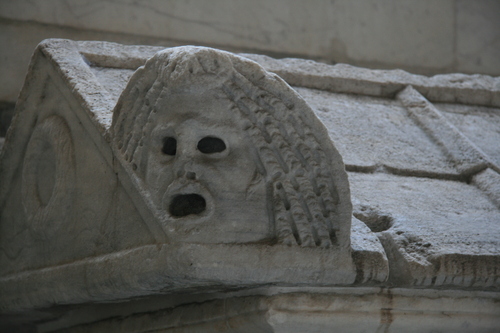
(51, 142)
(300, 194)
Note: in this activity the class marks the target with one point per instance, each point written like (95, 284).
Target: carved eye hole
(169, 146)
(210, 145)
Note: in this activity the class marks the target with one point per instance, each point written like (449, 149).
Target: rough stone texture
(422, 163)
(467, 119)
(373, 133)
(465, 156)
(279, 168)
(437, 245)
(297, 310)
(452, 88)
(489, 181)
(368, 254)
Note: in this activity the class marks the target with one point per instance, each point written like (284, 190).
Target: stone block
(309, 310)
(373, 133)
(455, 245)
(479, 124)
(463, 153)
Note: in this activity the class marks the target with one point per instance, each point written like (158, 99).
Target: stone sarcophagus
(190, 189)
(207, 172)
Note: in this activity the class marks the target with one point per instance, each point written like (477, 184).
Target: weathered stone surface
(298, 310)
(61, 201)
(466, 157)
(373, 133)
(489, 181)
(453, 241)
(424, 182)
(481, 125)
(170, 130)
(368, 254)
(169, 268)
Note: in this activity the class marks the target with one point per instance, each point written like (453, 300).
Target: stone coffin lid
(208, 172)
(421, 155)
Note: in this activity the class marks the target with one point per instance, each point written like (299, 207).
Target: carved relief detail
(48, 176)
(268, 149)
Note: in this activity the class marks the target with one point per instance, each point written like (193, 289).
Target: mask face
(201, 170)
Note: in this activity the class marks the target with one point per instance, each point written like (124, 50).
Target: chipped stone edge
(440, 270)
(368, 254)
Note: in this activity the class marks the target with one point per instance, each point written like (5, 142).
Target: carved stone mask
(200, 169)
(226, 152)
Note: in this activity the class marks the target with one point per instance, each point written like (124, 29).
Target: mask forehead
(205, 104)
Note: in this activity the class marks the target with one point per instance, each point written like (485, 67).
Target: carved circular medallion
(48, 175)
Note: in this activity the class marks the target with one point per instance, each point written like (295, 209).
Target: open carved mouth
(187, 204)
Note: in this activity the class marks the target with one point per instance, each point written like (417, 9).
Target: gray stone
(298, 310)
(437, 245)
(368, 255)
(468, 119)
(373, 133)
(342, 78)
(466, 157)
(214, 174)
(103, 223)
(477, 40)
(274, 161)
(489, 181)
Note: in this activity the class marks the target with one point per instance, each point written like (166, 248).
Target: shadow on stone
(376, 220)
(187, 204)
(6, 113)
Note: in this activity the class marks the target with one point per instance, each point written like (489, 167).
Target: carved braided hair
(302, 169)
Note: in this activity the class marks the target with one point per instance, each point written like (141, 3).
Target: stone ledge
(342, 78)
(164, 268)
(294, 310)
(436, 246)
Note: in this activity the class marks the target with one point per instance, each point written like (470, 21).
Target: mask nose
(185, 165)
